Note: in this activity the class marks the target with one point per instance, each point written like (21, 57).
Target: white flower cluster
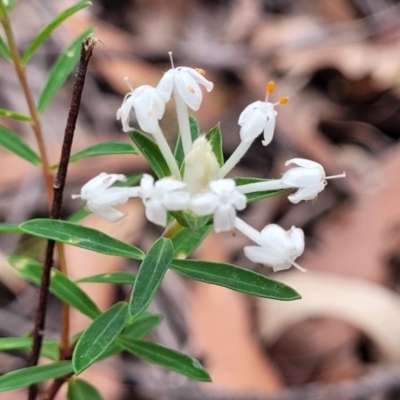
(203, 189)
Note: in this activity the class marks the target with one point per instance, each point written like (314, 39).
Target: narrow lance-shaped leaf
(62, 67)
(110, 277)
(150, 275)
(49, 347)
(4, 50)
(98, 336)
(14, 143)
(13, 115)
(195, 133)
(80, 236)
(45, 33)
(60, 285)
(186, 240)
(235, 278)
(79, 389)
(152, 153)
(28, 376)
(256, 196)
(168, 358)
(214, 136)
(10, 228)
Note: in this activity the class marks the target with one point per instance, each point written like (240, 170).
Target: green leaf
(235, 278)
(111, 277)
(12, 142)
(4, 50)
(11, 4)
(60, 285)
(190, 220)
(186, 240)
(195, 133)
(168, 358)
(49, 346)
(98, 336)
(152, 153)
(80, 236)
(12, 114)
(46, 32)
(62, 67)
(214, 136)
(10, 228)
(102, 149)
(252, 197)
(150, 275)
(31, 375)
(82, 390)
(142, 325)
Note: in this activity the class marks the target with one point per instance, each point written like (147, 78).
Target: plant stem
(59, 183)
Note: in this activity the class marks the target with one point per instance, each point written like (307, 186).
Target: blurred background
(339, 62)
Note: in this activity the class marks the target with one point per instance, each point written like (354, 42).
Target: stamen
(299, 267)
(200, 71)
(283, 100)
(172, 60)
(342, 175)
(126, 79)
(270, 87)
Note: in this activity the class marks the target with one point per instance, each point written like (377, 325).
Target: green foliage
(186, 240)
(150, 275)
(62, 67)
(10, 228)
(60, 285)
(110, 277)
(256, 196)
(80, 236)
(28, 376)
(12, 114)
(49, 346)
(12, 142)
(98, 336)
(152, 153)
(214, 136)
(4, 50)
(46, 32)
(168, 358)
(79, 389)
(235, 278)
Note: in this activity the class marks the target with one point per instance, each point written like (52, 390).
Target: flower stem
(183, 122)
(59, 183)
(272, 184)
(234, 158)
(167, 152)
(248, 231)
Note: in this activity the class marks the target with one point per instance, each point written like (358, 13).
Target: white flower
(222, 200)
(101, 198)
(201, 166)
(309, 177)
(164, 195)
(185, 81)
(255, 118)
(278, 248)
(149, 106)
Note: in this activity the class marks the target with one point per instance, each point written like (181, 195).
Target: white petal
(300, 177)
(156, 212)
(302, 162)
(252, 122)
(112, 197)
(306, 193)
(267, 256)
(224, 218)
(269, 129)
(199, 78)
(275, 237)
(109, 213)
(238, 200)
(189, 90)
(175, 201)
(166, 83)
(222, 186)
(203, 203)
(146, 185)
(169, 184)
(297, 237)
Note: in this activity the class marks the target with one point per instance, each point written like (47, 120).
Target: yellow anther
(200, 71)
(270, 87)
(191, 89)
(283, 100)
